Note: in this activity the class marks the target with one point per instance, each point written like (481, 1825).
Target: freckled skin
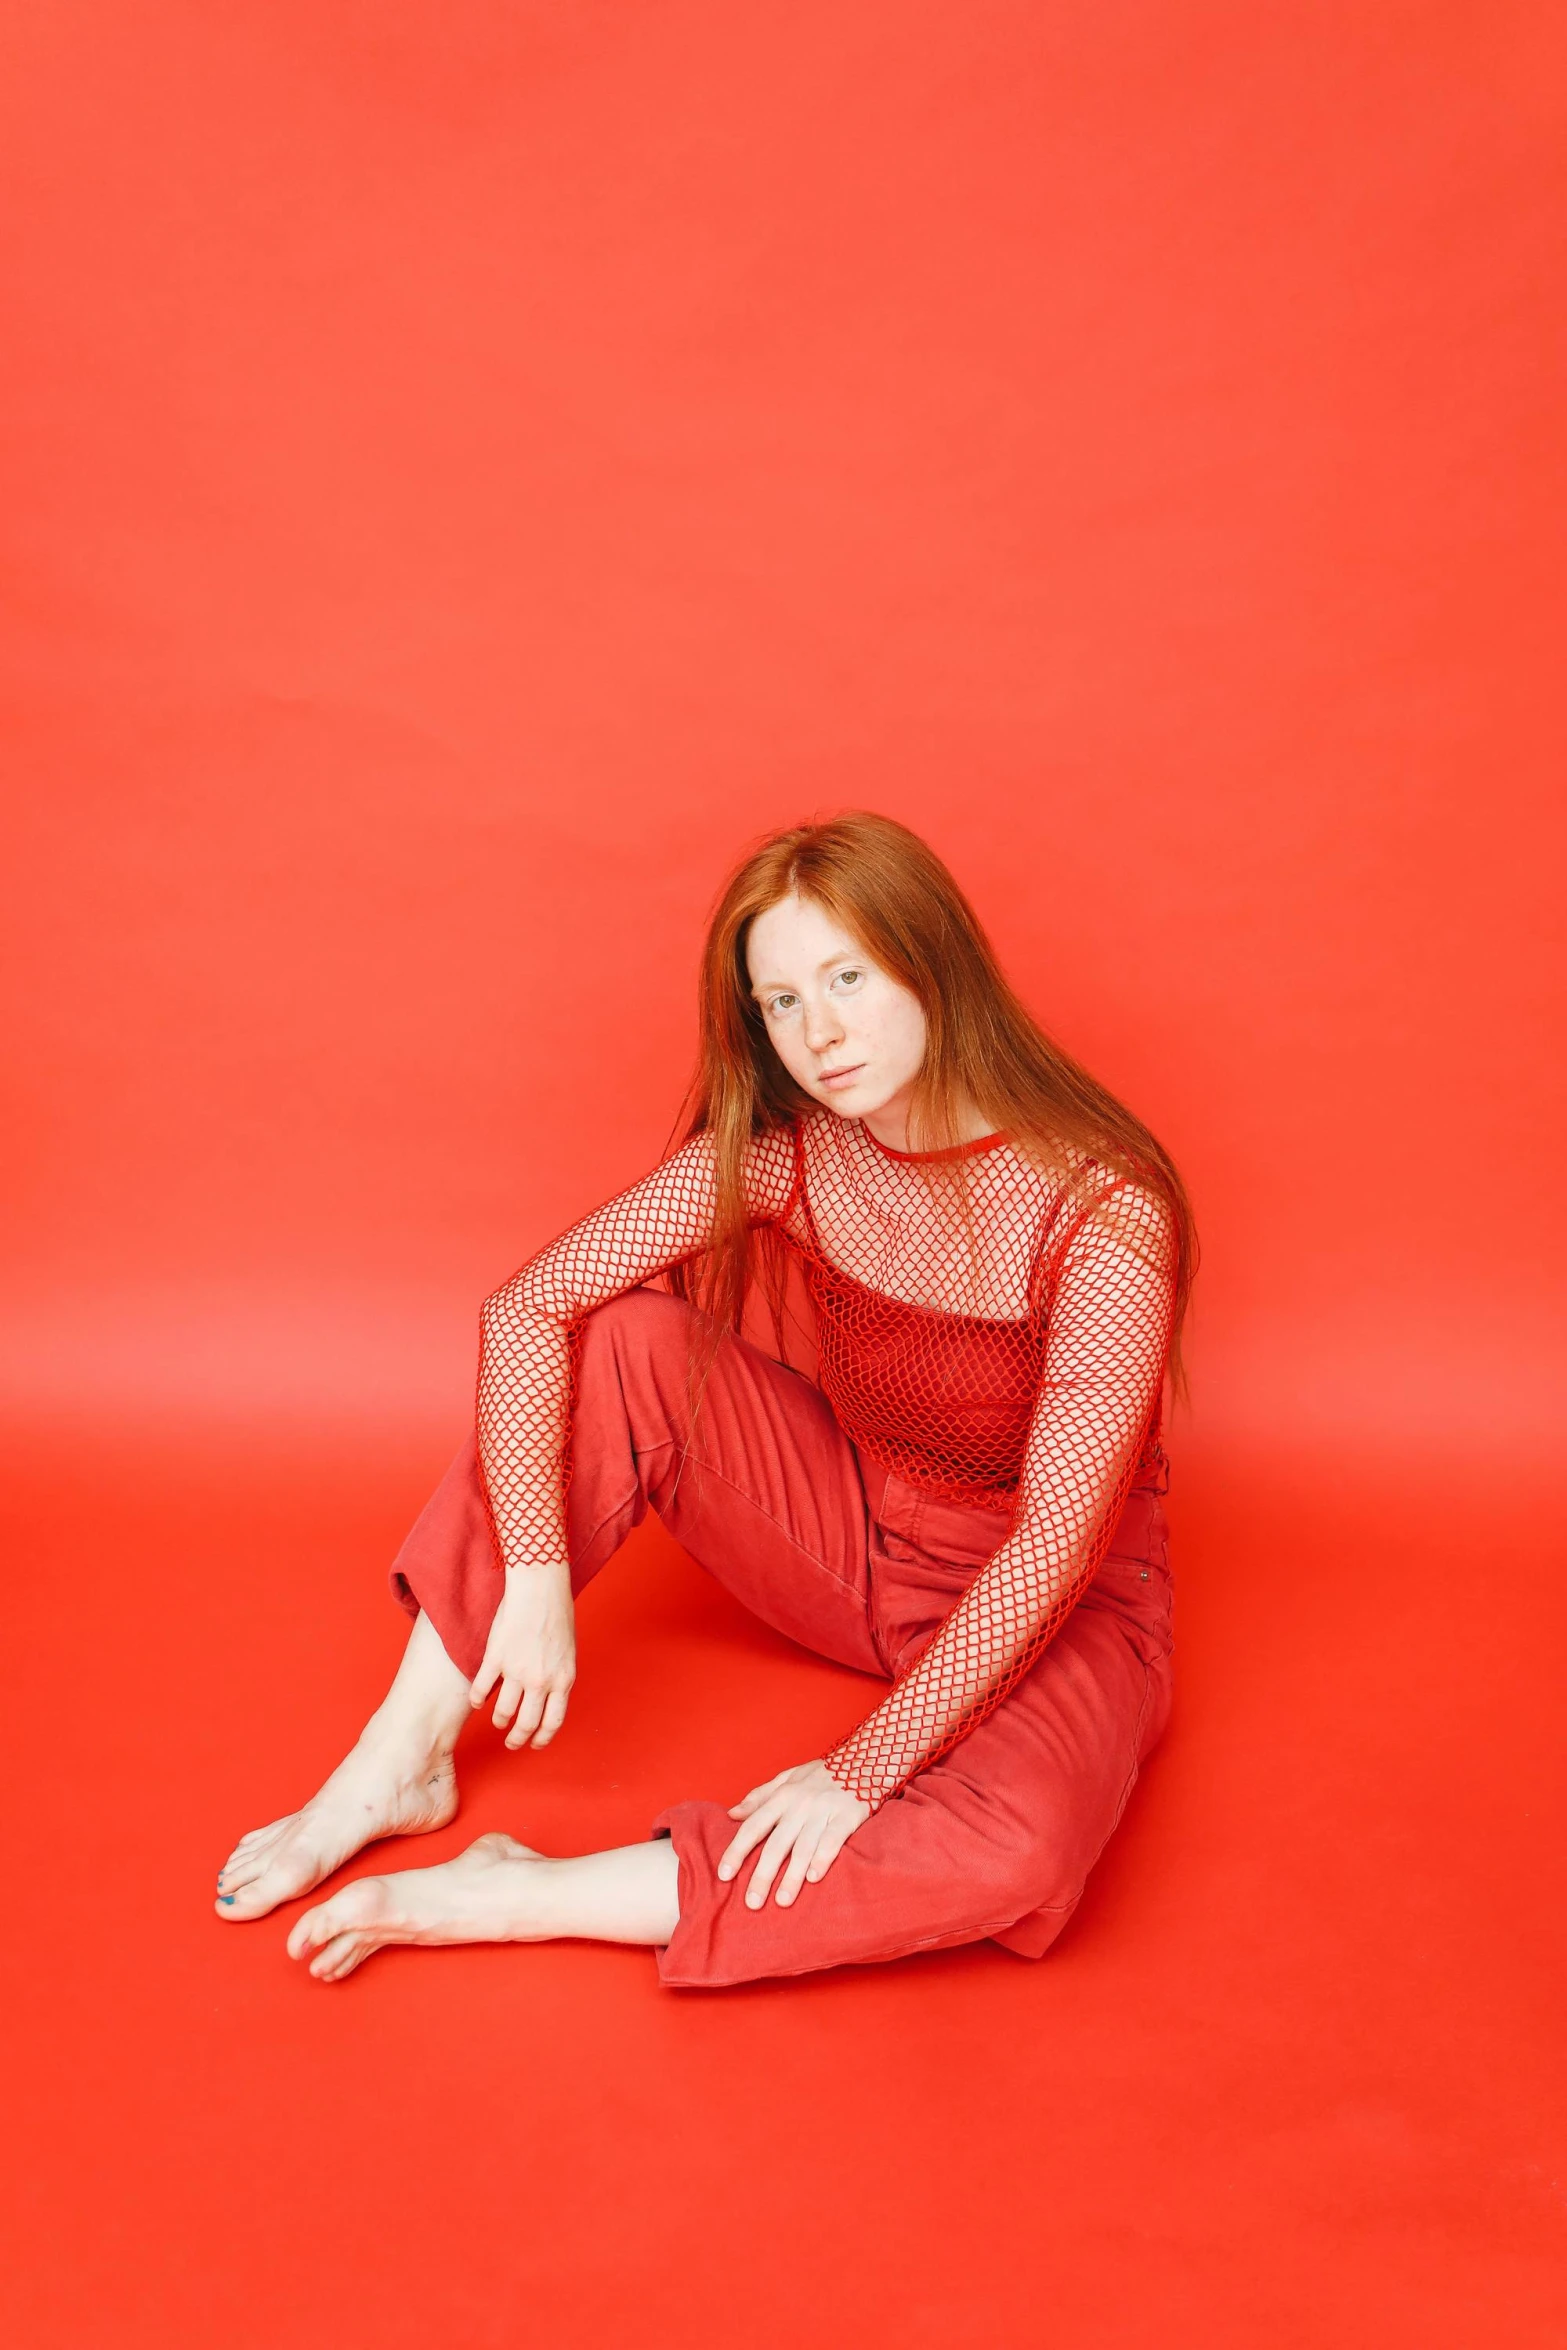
(828, 1008)
(825, 1009)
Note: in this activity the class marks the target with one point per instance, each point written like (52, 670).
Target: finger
(828, 1846)
(770, 1860)
(528, 1719)
(484, 1681)
(748, 1803)
(799, 1860)
(554, 1715)
(506, 1704)
(746, 1839)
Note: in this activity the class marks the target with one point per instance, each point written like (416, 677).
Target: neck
(890, 1124)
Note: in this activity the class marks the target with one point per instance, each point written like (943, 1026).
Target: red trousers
(774, 1500)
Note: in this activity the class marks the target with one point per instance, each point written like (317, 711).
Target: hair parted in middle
(899, 903)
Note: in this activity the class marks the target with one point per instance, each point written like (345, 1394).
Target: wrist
(844, 1776)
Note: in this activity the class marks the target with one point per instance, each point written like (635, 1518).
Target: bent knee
(644, 1319)
(635, 1348)
(1012, 1861)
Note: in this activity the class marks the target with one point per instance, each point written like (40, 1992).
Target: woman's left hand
(806, 1818)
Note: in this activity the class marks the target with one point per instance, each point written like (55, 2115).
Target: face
(850, 1035)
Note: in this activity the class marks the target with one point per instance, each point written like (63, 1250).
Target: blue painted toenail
(229, 1897)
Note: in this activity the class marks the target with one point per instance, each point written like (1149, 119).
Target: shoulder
(1123, 1214)
(1024, 1173)
(1089, 1202)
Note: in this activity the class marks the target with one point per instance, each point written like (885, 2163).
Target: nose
(823, 1028)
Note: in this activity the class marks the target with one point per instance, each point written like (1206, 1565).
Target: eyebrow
(854, 955)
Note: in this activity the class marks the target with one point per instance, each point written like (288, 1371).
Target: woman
(966, 1501)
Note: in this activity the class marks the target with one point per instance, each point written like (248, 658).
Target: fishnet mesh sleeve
(1106, 1349)
(524, 1400)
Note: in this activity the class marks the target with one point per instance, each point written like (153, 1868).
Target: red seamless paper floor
(467, 472)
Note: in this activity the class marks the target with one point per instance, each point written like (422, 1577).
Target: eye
(778, 1003)
(852, 976)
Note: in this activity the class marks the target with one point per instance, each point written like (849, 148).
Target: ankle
(412, 1739)
(420, 1719)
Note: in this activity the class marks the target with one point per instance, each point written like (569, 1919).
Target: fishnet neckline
(1047, 1410)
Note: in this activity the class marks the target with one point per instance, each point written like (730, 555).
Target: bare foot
(488, 1894)
(385, 1787)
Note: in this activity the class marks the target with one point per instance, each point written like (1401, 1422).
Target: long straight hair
(896, 899)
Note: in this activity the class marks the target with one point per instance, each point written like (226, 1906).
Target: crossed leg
(400, 1779)
(496, 1891)
(770, 1482)
(994, 1841)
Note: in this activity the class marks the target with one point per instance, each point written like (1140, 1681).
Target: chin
(857, 1102)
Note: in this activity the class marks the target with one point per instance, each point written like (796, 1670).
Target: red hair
(897, 901)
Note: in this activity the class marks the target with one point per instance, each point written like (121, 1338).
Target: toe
(340, 1957)
(347, 1912)
(316, 1927)
(251, 1892)
(244, 1901)
(254, 1837)
(242, 1872)
(251, 1851)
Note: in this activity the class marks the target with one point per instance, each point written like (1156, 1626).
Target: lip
(839, 1076)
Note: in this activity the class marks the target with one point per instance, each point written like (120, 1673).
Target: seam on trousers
(612, 1512)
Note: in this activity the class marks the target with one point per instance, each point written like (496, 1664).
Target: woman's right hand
(532, 1653)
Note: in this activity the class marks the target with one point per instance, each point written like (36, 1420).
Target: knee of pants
(637, 1348)
(630, 1410)
(1010, 1858)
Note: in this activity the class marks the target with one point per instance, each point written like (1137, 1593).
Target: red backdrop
(468, 471)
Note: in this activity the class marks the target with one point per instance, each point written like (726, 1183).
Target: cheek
(903, 1033)
(789, 1045)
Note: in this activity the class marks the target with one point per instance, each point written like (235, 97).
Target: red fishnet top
(995, 1332)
